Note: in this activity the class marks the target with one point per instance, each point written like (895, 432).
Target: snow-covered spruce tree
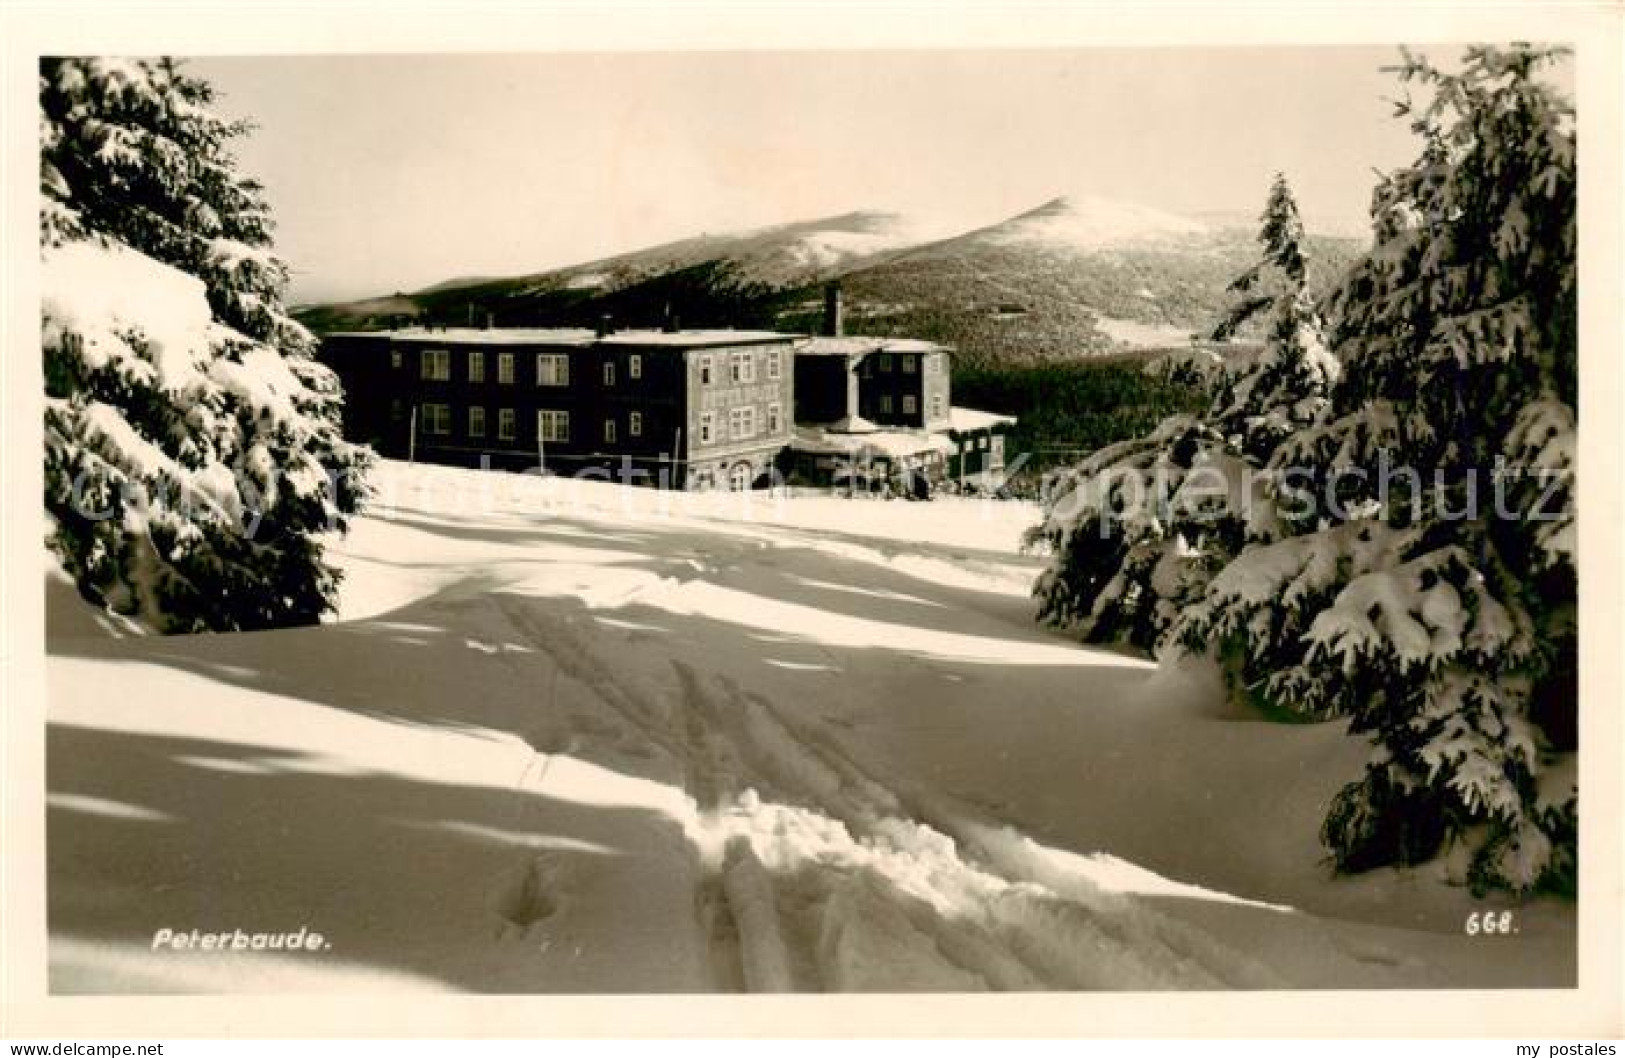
(1137, 529)
(1434, 601)
(192, 443)
(1287, 386)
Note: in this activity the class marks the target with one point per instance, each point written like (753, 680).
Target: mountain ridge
(1076, 275)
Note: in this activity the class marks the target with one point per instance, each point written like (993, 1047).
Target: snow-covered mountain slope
(575, 737)
(830, 245)
(1077, 276)
(1089, 222)
(776, 256)
(700, 276)
(1046, 283)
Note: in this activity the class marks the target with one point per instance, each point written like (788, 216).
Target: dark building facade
(869, 411)
(689, 408)
(681, 409)
(890, 382)
(872, 410)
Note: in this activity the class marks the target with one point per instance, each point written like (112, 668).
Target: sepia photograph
(1098, 518)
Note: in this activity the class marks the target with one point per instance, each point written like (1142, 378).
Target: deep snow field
(569, 736)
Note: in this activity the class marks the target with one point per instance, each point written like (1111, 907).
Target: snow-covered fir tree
(1433, 598)
(1409, 559)
(193, 453)
(1287, 386)
(1137, 530)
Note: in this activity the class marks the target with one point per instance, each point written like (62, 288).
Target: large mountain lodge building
(676, 408)
(685, 408)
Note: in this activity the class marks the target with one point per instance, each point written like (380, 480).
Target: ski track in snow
(814, 873)
(688, 734)
(818, 876)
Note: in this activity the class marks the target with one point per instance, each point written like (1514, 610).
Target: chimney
(606, 325)
(834, 320)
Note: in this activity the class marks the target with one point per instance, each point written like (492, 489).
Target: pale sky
(392, 173)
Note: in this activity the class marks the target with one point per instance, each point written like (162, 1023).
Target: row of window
(435, 366)
(551, 425)
(909, 363)
(436, 421)
(554, 424)
(911, 404)
(742, 424)
(553, 369)
(742, 367)
(738, 477)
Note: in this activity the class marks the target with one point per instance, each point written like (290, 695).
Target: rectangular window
(775, 417)
(936, 405)
(436, 365)
(707, 427)
(552, 425)
(885, 361)
(909, 366)
(609, 372)
(634, 365)
(634, 424)
(552, 369)
(437, 419)
(775, 364)
(506, 423)
(910, 405)
(609, 431)
(885, 404)
(742, 423)
(395, 358)
(505, 368)
(705, 370)
(476, 421)
(476, 367)
(742, 367)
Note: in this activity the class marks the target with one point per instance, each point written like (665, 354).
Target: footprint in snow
(535, 891)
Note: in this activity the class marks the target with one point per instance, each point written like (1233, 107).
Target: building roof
(697, 339)
(863, 345)
(891, 444)
(965, 420)
(577, 336)
(851, 424)
(480, 335)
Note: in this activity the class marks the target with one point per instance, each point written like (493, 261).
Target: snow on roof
(965, 420)
(851, 424)
(891, 444)
(579, 336)
(692, 339)
(480, 335)
(862, 345)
